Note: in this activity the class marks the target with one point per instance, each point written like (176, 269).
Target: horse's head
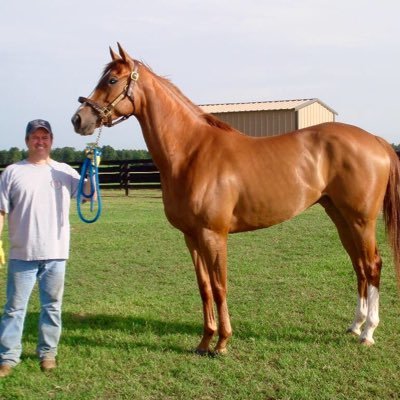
(112, 100)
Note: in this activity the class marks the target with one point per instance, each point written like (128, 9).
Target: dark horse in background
(217, 181)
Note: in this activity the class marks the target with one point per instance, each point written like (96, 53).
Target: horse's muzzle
(84, 122)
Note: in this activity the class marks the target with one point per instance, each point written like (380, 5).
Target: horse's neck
(168, 124)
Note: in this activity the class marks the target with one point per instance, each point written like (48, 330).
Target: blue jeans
(21, 279)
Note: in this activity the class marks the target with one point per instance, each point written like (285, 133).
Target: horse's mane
(205, 117)
(213, 121)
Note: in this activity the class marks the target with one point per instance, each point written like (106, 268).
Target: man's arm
(2, 256)
(2, 219)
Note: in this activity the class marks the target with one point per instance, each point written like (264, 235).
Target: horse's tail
(391, 208)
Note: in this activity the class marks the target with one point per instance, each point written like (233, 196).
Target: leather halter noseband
(105, 113)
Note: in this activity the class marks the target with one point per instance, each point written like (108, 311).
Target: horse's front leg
(203, 281)
(213, 250)
(209, 253)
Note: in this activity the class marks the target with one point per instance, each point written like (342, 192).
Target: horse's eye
(112, 81)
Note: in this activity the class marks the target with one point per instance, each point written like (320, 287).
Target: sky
(344, 52)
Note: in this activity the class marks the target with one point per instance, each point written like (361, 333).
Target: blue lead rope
(89, 171)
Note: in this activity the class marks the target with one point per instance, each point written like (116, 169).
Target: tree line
(70, 154)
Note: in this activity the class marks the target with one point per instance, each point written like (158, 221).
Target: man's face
(39, 142)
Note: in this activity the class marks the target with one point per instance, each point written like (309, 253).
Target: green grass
(132, 316)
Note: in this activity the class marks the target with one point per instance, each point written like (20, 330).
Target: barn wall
(314, 114)
(261, 123)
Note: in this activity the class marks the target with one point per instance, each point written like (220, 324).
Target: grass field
(132, 316)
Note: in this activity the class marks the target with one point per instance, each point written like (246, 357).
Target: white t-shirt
(37, 200)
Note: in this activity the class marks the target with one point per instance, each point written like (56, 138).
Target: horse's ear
(124, 55)
(114, 55)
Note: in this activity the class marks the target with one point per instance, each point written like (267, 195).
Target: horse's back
(282, 176)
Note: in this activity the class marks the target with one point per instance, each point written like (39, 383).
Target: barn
(272, 118)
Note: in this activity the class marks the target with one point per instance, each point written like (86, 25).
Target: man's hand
(2, 256)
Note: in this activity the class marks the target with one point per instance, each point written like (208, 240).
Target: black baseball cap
(37, 124)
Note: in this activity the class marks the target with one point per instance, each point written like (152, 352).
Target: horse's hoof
(366, 342)
(201, 352)
(352, 333)
(219, 352)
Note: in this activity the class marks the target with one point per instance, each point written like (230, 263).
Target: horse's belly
(256, 212)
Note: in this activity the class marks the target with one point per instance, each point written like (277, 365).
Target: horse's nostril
(76, 121)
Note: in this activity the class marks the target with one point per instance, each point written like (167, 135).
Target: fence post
(124, 177)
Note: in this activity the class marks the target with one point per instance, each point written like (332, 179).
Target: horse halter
(105, 112)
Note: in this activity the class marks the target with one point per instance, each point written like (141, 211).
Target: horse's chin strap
(105, 113)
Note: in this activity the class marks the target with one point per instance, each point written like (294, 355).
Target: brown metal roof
(262, 106)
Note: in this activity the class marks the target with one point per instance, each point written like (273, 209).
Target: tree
(68, 154)
(108, 153)
(140, 154)
(3, 157)
(71, 155)
(14, 155)
(56, 154)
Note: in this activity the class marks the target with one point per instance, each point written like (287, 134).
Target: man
(36, 194)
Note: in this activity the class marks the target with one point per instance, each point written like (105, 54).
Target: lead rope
(90, 170)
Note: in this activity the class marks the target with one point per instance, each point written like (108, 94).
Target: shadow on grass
(91, 330)
(85, 329)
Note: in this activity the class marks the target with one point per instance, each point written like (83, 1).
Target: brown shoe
(5, 370)
(48, 364)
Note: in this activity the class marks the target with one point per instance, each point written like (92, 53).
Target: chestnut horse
(216, 180)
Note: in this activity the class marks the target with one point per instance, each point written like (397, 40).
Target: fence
(125, 175)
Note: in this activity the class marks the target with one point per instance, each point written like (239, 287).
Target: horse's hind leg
(346, 238)
(368, 267)
(358, 238)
